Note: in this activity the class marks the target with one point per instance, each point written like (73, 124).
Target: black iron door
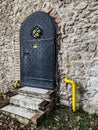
(38, 51)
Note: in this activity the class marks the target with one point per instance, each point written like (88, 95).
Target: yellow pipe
(73, 92)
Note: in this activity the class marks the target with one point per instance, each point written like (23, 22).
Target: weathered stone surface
(69, 30)
(36, 92)
(92, 47)
(64, 102)
(25, 101)
(6, 41)
(81, 5)
(93, 71)
(54, 1)
(91, 92)
(90, 104)
(67, 1)
(75, 57)
(93, 82)
(22, 112)
(92, 9)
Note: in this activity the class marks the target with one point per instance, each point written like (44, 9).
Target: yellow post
(73, 92)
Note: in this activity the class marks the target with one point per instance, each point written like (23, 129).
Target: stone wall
(77, 40)
(6, 43)
(79, 53)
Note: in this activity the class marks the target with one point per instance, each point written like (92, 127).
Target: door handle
(35, 46)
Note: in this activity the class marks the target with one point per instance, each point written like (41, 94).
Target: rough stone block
(81, 5)
(50, 94)
(44, 105)
(36, 119)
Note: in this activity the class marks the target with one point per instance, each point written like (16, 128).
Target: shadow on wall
(80, 95)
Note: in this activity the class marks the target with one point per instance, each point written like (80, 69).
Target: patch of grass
(64, 119)
(61, 118)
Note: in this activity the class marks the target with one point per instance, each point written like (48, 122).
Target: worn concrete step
(26, 102)
(23, 115)
(19, 113)
(30, 104)
(36, 92)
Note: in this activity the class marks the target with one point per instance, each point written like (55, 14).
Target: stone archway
(38, 47)
(17, 24)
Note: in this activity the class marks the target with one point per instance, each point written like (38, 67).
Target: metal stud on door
(38, 51)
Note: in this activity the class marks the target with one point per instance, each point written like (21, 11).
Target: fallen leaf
(75, 128)
(66, 119)
(78, 118)
(93, 123)
(90, 129)
(69, 125)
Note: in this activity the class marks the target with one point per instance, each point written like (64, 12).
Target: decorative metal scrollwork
(36, 32)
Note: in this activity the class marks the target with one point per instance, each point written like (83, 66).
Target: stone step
(36, 92)
(30, 104)
(26, 101)
(23, 115)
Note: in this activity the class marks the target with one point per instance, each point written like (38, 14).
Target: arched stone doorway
(38, 51)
